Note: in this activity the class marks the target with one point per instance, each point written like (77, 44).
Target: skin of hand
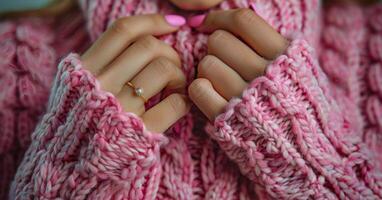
(129, 52)
(239, 49)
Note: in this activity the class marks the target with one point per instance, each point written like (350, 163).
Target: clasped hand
(240, 46)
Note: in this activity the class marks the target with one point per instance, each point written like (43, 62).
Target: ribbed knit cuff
(75, 87)
(85, 140)
(287, 134)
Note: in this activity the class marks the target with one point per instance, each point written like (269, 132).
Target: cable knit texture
(286, 135)
(95, 150)
(310, 128)
(28, 59)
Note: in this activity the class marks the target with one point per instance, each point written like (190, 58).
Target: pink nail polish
(196, 21)
(175, 20)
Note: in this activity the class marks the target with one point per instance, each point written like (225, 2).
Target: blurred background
(16, 8)
(34, 36)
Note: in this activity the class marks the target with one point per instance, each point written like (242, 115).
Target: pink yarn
(28, 57)
(282, 126)
(26, 72)
(372, 81)
(308, 128)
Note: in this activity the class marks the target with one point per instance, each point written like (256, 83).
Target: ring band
(137, 91)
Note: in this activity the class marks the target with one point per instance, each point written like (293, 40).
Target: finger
(133, 60)
(122, 33)
(206, 98)
(245, 23)
(236, 54)
(225, 81)
(160, 117)
(130, 102)
(159, 74)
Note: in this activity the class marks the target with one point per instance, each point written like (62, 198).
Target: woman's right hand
(129, 52)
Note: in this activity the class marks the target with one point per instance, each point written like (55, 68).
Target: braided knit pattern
(29, 52)
(341, 59)
(183, 155)
(107, 155)
(372, 82)
(296, 133)
(283, 128)
(290, 18)
(26, 72)
(354, 70)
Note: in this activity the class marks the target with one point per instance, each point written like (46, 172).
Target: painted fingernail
(175, 20)
(196, 21)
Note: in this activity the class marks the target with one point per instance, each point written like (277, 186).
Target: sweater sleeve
(86, 147)
(287, 134)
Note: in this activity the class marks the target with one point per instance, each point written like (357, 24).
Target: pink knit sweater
(310, 128)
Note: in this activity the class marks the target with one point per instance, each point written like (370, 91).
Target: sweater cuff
(87, 139)
(287, 134)
(119, 136)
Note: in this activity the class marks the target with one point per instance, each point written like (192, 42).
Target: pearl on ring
(138, 91)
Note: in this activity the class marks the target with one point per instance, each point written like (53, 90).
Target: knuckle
(172, 54)
(216, 36)
(121, 26)
(207, 63)
(177, 102)
(107, 84)
(244, 15)
(148, 42)
(156, 19)
(164, 66)
(197, 88)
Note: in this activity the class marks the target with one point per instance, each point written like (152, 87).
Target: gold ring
(137, 91)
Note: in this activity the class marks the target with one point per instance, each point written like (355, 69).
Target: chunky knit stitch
(28, 56)
(372, 96)
(100, 149)
(284, 126)
(309, 128)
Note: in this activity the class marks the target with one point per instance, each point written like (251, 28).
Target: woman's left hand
(239, 49)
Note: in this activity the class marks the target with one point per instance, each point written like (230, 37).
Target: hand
(129, 52)
(240, 47)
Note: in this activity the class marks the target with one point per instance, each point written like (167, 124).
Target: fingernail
(196, 21)
(175, 20)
